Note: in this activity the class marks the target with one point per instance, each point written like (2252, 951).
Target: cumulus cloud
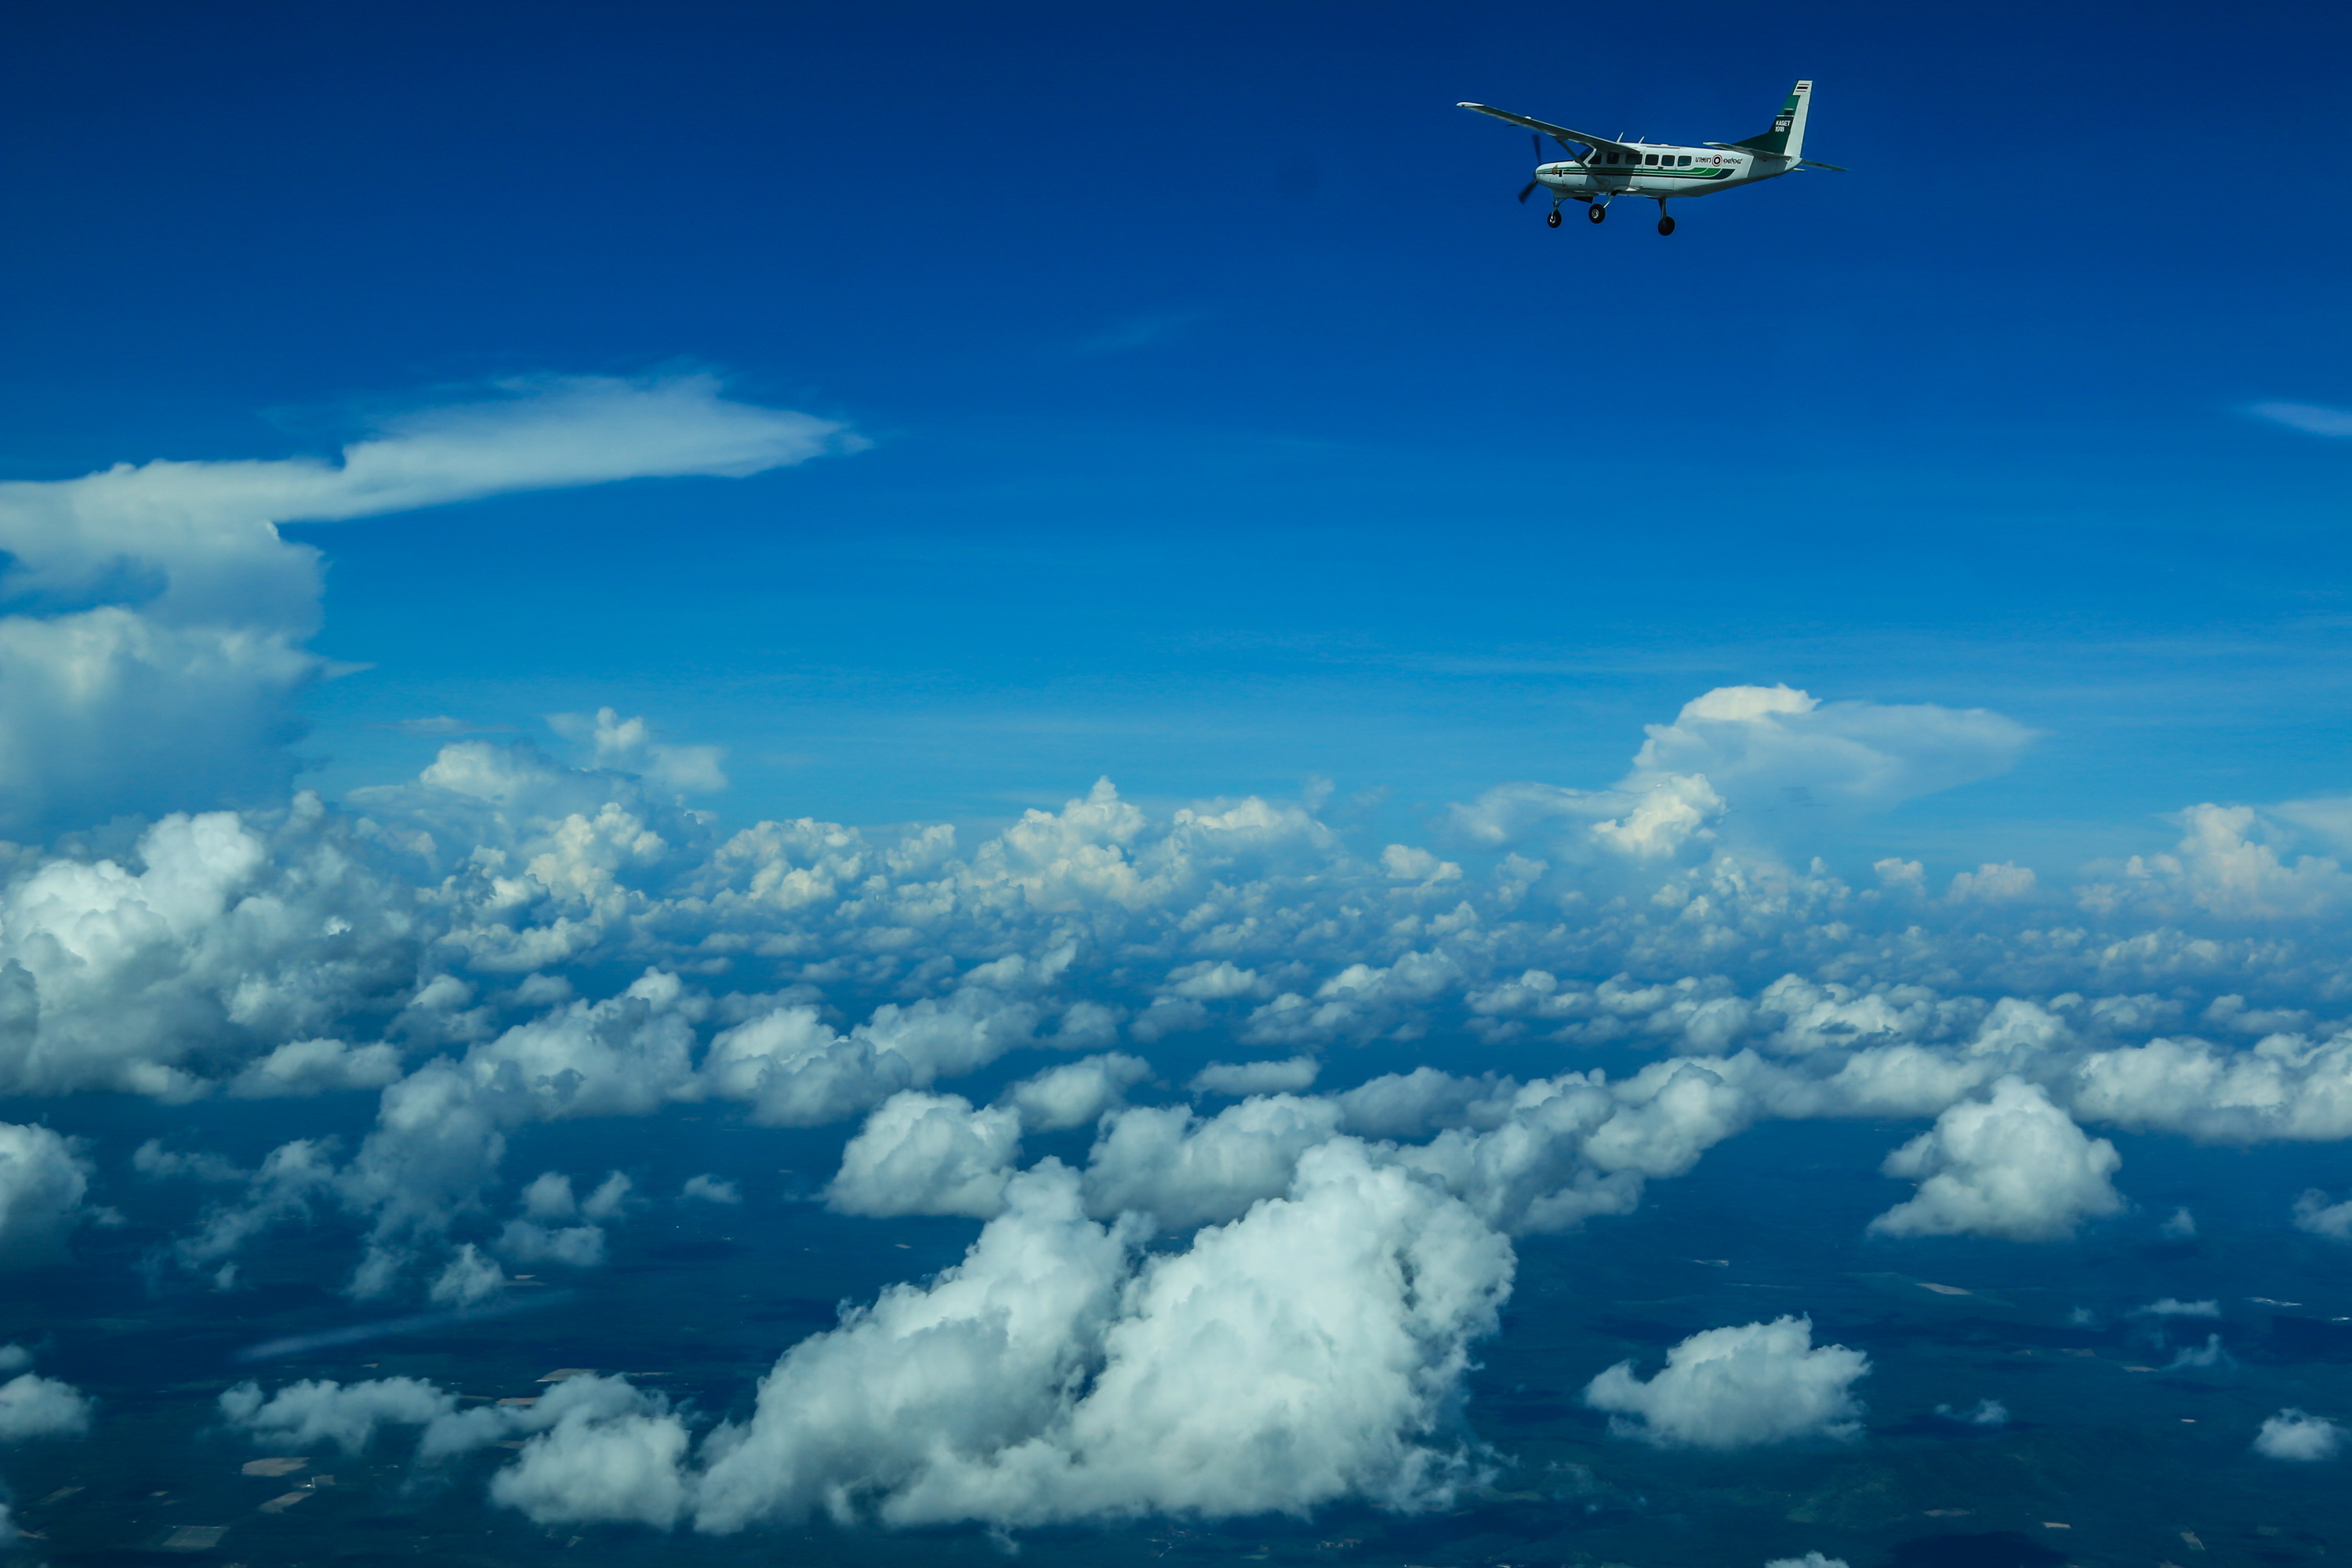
(173, 689)
(2013, 1165)
(1754, 741)
(2315, 1213)
(1985, 1412)
(599, 1451)
(1332, 1324)
(1736, 1388)
(710, 1189)
(1750, 755)
(36, 1406)
(627, 745)
(2292, 1435)
(1077, 1092)
(507, 940)
(223, 937)
(928, 1153)
(1809, 1560)
(1301, 1354)
(317, 1066)
(1184, 1170)
(313, 1412)
(471, 1278)
(462, 946)
(42, 1183)
(1242, 1079)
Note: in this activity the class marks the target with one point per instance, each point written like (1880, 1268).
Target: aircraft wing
(1560, 133)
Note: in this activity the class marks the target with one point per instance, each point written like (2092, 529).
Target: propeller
(1532, 183)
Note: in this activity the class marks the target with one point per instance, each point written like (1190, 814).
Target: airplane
(1607, 168)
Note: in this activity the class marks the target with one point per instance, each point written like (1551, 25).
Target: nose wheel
(1597, 213)
(1552, 217)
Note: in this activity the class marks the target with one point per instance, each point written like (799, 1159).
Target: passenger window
(1649, 157)
(1612, 157)
(1686, 161)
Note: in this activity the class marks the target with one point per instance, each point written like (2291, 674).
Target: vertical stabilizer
(1787, 137)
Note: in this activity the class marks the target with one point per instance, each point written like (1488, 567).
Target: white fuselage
(1648, 171)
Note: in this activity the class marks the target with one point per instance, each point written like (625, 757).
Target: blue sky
(1231, 422)
(1706, 845)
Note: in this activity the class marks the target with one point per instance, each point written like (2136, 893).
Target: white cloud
(627, 745)
(1809, 1560)
(600, 1450)
(710, 1189)
(1240, 1079)
(1297, 1355)
(36, 1406)
(528, 1242)
(292, 1176)
(1076, 1092)
(1736, 1388)
(232, 936)
(2013, 1166)
(42, 1183)
(1985, 1412)
(180, 695)
(309, 1413)
(2233, 861)
(2002, 883)
(928, 1153)
(1750, 755)
(2315, 1213)
(317, 1066)
(1757, 744)
(797, 1072)
(471, 1278)
(2170, 1307)
(2292, 1435)
(1409, 863)
(1184, 1171)
(238, 950)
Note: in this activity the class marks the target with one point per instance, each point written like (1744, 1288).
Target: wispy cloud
(2311, 418)
(1141, 333)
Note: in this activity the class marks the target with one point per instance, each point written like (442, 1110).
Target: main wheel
(1666, 225)
(1597, 213)
(1552, 217)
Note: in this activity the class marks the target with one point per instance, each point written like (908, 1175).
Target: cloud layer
(1223, 1264)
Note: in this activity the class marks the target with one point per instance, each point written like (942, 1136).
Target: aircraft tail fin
(1787, 137)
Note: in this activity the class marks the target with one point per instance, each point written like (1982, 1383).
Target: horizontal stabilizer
(1560, 133)
(1833, 168)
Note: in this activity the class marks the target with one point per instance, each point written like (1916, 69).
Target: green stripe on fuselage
(1644, 172)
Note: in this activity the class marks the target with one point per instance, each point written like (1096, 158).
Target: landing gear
(1552, 217)
(1597, 213)
(1666, 224)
